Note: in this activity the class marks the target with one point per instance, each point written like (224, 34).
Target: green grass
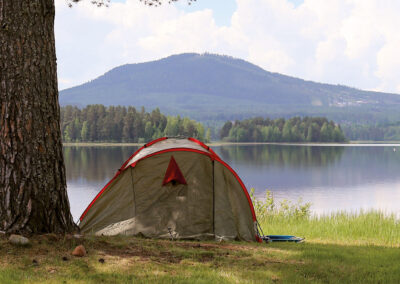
(134, 260)
(363, 228)
(339, 248)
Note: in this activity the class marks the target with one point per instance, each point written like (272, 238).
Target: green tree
(200, 131)
(297, 136)
(325, 133)
(225, 129)
(148, 131)
(157, 134)
(172, 128)
(266, 132)
(208, 135)
(68, 133)
(77, 129)
(338, 135)
(276, 134)
(295, 129)
(85, 131)
(309, 134)
(256, 135)
(287, 132)
(240, 135)
(121, 124)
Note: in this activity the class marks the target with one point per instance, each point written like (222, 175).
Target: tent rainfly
(173, 188)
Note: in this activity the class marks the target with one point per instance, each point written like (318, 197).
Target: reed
(370, 227)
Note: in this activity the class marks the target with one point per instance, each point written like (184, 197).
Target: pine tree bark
(33, 197)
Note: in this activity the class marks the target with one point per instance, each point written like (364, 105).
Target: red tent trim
(212, 155)
(140, 149)
(202, 145)
(172, 150)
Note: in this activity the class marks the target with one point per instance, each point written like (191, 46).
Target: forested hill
(202, 85)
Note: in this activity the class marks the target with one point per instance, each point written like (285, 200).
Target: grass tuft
(370, 227)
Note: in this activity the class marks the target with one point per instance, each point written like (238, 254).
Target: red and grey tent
(173, 188)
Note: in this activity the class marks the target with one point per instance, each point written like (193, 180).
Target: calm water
(330, 177)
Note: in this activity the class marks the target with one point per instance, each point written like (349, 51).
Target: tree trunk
(33, 197)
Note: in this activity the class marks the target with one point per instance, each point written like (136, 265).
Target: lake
(331, 177)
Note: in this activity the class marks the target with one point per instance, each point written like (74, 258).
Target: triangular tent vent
(173, 173)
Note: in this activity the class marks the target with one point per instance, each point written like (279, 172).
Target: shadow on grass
(130, 260)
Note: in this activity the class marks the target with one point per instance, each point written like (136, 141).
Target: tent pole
(213, 184)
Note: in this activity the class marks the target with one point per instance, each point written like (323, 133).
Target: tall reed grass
(370, 227)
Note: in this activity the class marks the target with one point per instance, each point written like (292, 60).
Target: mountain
(215, 87)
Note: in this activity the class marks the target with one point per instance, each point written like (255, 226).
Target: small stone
(79, 251)
(78, 236)
(19, 240)
(64, 258)
(101, 260)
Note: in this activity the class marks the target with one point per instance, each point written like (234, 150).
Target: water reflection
(88, 169)
(95, 164)
(281, 155)
(331, 177)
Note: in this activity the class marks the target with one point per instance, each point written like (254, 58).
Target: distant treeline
(378, 132)
(296, 129)
(97, 123)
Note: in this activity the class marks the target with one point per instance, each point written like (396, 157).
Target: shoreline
(220, 143)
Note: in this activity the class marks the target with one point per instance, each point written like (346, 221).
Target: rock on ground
(18, 240)
(79, 251)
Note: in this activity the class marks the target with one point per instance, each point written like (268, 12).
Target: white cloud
(340, 41)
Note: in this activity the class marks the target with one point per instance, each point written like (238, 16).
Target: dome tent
(173, 188)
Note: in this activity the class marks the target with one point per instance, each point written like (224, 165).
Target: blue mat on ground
(282, 238)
